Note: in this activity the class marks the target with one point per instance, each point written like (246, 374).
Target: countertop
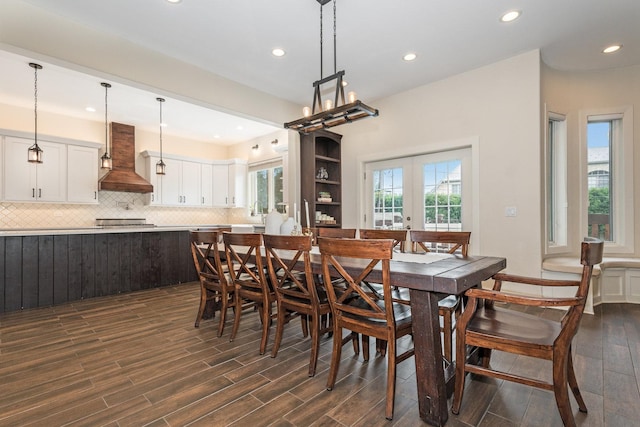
(124, 229)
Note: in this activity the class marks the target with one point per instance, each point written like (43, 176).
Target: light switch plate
(510, 211)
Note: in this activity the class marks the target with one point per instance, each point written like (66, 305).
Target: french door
(430, 192)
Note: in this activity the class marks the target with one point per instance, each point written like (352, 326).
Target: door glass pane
(387, 198)
(442, 196)
(278, 189)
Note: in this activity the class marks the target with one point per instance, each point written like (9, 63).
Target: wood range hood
(123, 176)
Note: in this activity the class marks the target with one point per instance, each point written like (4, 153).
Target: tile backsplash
(113, 205)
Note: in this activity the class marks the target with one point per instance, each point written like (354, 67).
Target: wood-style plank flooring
(136, 359)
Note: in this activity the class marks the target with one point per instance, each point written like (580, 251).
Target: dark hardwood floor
(135, 359)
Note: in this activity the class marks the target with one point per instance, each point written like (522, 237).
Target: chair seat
(514, 326)
(402, 312)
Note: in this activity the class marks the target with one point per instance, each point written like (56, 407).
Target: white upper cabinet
(206, 184)
(221, 185)
(34, 182)
(82, 174)
(238, 184)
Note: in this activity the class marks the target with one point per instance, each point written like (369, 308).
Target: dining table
(429, 278)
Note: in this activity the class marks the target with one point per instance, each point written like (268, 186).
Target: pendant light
(34, 154)
(160, 166)
(105, 160)
(332, 112)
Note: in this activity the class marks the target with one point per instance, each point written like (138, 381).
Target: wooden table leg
(432, 399)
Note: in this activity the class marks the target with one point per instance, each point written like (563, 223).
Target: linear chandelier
(332, 112)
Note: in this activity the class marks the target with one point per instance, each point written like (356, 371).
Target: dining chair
(512, 330)
(214, 287)
(297, 290)
(399, 237)
(449, 308)
(247, 274)
(346, 233)
(357, 309)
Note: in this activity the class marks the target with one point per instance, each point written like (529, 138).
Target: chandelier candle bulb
(351, 96)
(306, 111)
(328, 104)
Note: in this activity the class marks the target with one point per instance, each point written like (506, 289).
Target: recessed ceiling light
(174, 1)
(510, 16)
(239, 127)
(216, 136)
(164, 125)
(90, 109)
(410, 56)
(278, 52)
(612, 48)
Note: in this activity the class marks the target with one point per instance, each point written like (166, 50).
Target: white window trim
(561, 178)
(267, 164)
(622, 178)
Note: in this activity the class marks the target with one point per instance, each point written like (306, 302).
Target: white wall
(499, 107)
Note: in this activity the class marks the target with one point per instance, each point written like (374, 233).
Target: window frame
(556, 229)
(269, 165)
(621, 177)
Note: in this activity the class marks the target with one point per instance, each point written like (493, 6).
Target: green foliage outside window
(599, 200)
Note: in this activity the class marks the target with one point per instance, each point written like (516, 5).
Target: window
(556, 165)
(266, 187)
(387, 198)
(608, 166)
(442, 195)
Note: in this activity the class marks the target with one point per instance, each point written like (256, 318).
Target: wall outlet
(510, 211)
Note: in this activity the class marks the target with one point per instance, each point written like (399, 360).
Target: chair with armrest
(357, 309)
(213, 283)
(449, 308)
(489, 327)
(247, 274)
(296, 289)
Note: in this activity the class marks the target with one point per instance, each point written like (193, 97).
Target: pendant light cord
(335, 50)
(161, 101)
(35, 109)
(106, 121)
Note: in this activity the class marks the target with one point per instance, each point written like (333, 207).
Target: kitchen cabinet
(238, 184)
(221, 185)
(206, 184)
(320, 175)
(34, 182)
(82, 175)
(180, 186)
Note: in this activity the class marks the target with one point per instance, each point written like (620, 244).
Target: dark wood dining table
(428, 281)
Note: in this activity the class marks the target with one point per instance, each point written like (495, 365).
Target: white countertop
(103, 230)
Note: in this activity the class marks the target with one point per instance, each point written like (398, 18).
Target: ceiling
(234, 39)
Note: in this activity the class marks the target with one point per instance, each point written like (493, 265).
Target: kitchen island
(44, 267)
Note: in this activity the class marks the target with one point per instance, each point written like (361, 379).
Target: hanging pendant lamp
(105, 160)
(332, 112)
(34, 154)
(160, 166)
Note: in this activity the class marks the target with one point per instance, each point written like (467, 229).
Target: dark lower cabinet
(40, 271)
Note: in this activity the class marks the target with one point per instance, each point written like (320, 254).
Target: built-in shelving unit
(321, 176)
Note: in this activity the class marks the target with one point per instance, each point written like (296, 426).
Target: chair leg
(238, 313)
(203, 303)
(391, 378)
(573, 384)
(224, 305)
(447, 331)
(365, 348)
(315, 344)
(461, 357)
(560, 389)
(266, 323)
(279, 329)
(304, 322)
(336, 354)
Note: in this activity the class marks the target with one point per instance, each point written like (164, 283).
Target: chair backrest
(244, 258)
(285, 276)
(206, 256)
(370, 253)
(591, 252)
(347, 233)
(399, 237)
(441, 241)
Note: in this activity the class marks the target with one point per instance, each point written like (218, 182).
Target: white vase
(272, 222)
(288, 226)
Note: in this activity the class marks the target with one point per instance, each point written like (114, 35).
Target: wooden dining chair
(359, 310)
(214, 288)
(399, 237)
(247, 274)
(449, 308)
(510, 330)
(297, 290)
(345, 233)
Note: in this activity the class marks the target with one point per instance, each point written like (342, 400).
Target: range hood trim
(123, 176)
